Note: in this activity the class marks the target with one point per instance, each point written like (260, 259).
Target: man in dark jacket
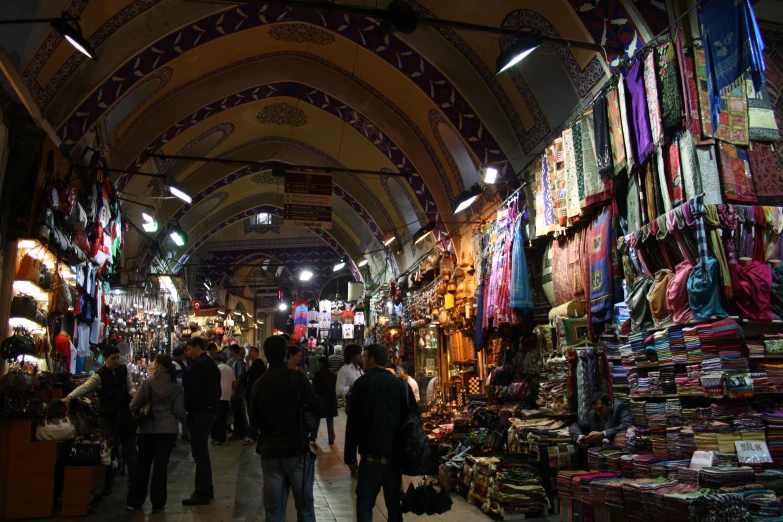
(279, 400)
(202, 401)
(324, 382)
(604, 421)
(256, 368)
(380, 403)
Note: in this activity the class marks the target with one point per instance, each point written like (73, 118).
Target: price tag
(701, 459)
(752, 452)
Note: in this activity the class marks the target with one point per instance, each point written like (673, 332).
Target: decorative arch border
(227, 128)
(236, 19)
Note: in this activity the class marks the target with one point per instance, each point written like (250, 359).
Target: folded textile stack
(633, 383)
(667, 381)
(655, 503)
(619, 375)
(642, 443)
(642, 463)
(677, 345)
(656, 414)
(718, 477)
(636, 342)
(581, 489)
(762, 503)
(726, 443)
(613, 461)
(692, 344)
(773, 345)
(673, 444)
(635, 492)
(656, 385)
(626, 354)
(712, 376)
(662, 347)
(674, 412)
(482, 471)
(678, 505)
(687, 475)
(706, 441)
(682, 383)
(724, 460)
(774, 423)
(728, 411)
(638, 413)
(755, 348)
(770, 479)
(553, 389)
(613, 349)
(592, 457)
(516, 487)
(614, 493)
(687, 441)
(689, 416)
(658, 438)
(694, 378)
(774, 373)
(598, 491)
(565, 482)
(760, 383)
(603, 460)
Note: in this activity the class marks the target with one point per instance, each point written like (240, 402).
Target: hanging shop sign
(752, 452)
(308, 200)
(267, 299)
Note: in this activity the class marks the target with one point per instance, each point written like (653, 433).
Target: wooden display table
(79, 482)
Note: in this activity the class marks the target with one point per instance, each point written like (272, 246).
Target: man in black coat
(604, 421)
(202, 401)
(325, 382)
(380, 403)
(257, 368)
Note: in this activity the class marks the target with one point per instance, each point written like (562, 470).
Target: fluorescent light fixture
(423, 232)
(249, 315)
(221, 312)
(237, 313)
(178, 236)
(73, 33)
(305, 275)
(389, 239)
(31, 289)
(467, 198)
(206, 285)
(150, 226)
(339, 265)
(517, 52)
(167, 284)
(147, 217)
(282, 306)
(181, 194)
(489, 174)
(363, 262)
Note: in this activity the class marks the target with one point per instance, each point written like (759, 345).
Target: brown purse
(60, 299)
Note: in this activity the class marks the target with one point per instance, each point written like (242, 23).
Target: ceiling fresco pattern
(428, 105)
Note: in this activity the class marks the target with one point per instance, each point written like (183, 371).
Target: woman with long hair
(158, 432)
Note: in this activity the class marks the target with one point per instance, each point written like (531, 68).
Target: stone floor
(238, 489)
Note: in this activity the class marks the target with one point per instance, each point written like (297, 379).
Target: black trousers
(372, 477)
(199, 426)
(219, 428)
(154, 452)
(240, 420)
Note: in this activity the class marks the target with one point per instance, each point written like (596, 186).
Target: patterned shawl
(732, 110)
(603, 147)
(628, 137)
(597, 190)
(761, 114)
(639, 114)
(616, 131)
(710, 177)
(601, 268)
(653, 100)
(691, 177)
(735, 174)
(573, 208)
(767, 174)
(560, 183)
(671, 112)
(672, 159)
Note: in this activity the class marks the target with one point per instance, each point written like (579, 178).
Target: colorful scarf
(572, 184)
(672, 158)
(671, 114)
(703, 295)
(691, 177)
(733, 45)
(633, 203)
(693, 211)
(521, 295)
(547, 276)
(767, 174)
(597, 189)
(735, 174)
(710, 176)
(639, 114)
(603, 148)
(628, 138)
(663, 181)
(761, 114)
(650, 191)
(732, 117)
(712, 220)
(616, 130)
(659, 174)
(653, 100)
(545, 206)
(560, 183)
(574, 265)
(601, 270)
(561, 275)
(730, 224)
(579, 161)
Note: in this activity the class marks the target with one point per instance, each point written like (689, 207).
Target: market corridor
(239, 491)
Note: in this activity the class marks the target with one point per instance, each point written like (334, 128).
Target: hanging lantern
(448, 301)
(468, 307)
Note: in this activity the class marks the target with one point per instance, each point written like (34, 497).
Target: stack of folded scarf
(677, 345)
(662, 347)
(774, 373)
(687, 441)
(694, 378)
(656, 414)
(566, 483)
(668, 383)
(674, 413)
(692, 344)
(626, 466)
(755, 348)
(641, 465)
(673, 443)
(516, 487)
(760, 382)
(774, 423)
(636, 342)
(678, 505)
(686, 475)
(762, 503)
(638, 411)
(718, 477)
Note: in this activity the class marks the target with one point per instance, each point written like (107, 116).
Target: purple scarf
(640, 117)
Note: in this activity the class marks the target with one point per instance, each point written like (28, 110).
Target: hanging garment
(638, 306)
(521, 295)
(703, 294)
(615, 131)
(640, 117)
(628, 137)
(653, 100)
(579, 160)
(693, 107)
(601, 269)
(729, 226)
(561, 275)
(633, 204)
(603, 147)
(732, 46)
(573, 208)
(651, 193)
(712, 222)
(545, 204)
(754, 298)
(772, 234)
(735, 174)
(560, 192)
(747, 216)
(776, 295)
(547, 281)
(689, 164)
(675, 223)
(668, 87)
(762, 125)
(767, 174)
(685, 85)
(574, 266)
(672, 159)
(677, 294)
(657, 299)
(660, 183)
(668, 243)
(596, 189)
(693, 211)
(732, 112)
(710, 176)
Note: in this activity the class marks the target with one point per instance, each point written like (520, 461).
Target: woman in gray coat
(158, 432)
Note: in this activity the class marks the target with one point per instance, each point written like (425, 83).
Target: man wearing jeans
(279, 401)
(380, 402)
(202, 400)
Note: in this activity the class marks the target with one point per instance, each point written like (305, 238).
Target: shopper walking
(295, 359)
(325, 383)
(280, 399)
(257, 368)
(379, 404)
(227, 381)
(157, 434)
(314, 363)
(181, 365)
(336, 360)
(202, 402)
(238, 410)
(350, 371)
(402, 373)
(114, 387)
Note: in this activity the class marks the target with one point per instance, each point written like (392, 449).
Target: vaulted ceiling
(272, 82)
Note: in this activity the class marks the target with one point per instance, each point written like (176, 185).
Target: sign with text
(752, 452)
(308, 200)
(701, 459)
(266, 299)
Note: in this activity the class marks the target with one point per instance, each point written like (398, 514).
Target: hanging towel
(521, 295)
(653, 100)
(616, 130)
(732, 112)
(628, 137)
(712, 220)
(603, 147)
(754, 299)
(735, 174)
(703, 295)
(640, 117)
(668, 87)
(732, 45)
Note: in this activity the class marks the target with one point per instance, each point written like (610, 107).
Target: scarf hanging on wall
(560, 183)
(603, 148)
(668, 79)
(547, 281)
(710, 176)
(561, 275)
(616, 130)
(573, 208)
(633, 204)
(767, 174)
(732, 111)
(730, 225)
(545, 208)
(601, 267)
(689, 164)
(579, 160)
(703, 295)
(521, 295)
(574, 267)
(651, 192)
(732, 46)
(672, 159)
(762, 125)
(628, 138)
(712, 220)
(593, 181)
(653, 100)
(735, 174)
(640, 117)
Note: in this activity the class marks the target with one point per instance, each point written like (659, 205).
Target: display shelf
(766, 356)
(767, 393)
(669, 396)
(622, 386)
(23, 322)
(31, 289)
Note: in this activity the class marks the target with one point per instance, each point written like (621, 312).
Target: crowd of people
(204, 393)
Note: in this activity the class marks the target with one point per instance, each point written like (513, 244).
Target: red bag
(66, 197)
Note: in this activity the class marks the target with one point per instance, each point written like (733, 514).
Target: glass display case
(427, 359)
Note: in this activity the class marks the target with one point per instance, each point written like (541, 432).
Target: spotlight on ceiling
(282, 306)
(221, 312)
(389, 239)
(489, 174)
(423, 232)
(178, 236)
(517, 52)
(206, 285)
(467, 198)
(237, 313)
(339, 265)
(363, 261)
(148, 218)
(305, 275)
(150, 226)
(73, 33)
(177, 191)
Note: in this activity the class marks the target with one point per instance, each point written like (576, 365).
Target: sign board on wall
(308, 200)
(266, 299)
(752, 452)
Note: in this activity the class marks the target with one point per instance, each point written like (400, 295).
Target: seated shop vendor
(604, 421)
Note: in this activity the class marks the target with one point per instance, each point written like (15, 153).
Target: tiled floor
(239, 495)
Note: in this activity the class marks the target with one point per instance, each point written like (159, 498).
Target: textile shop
(641, 258)
(65, 304)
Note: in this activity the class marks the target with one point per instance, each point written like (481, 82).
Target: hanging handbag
(237, 331)
(30, 268)
(55, 430)
(77, 220)
(24, 306)
(60, 298)
(16, 381)
(145, 412)
(66, 195)
(16, 345)
(45, 278)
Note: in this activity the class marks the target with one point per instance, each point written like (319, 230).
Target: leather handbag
(77, 220)
(145, 411)
(16, 381)
(55, 430)
(45, 278)
(29, 269)
(237, 331)
(60, 298)
(16, 345)
(24, 306)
